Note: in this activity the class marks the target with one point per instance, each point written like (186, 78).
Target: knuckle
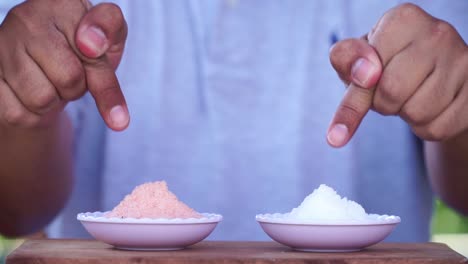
(71, 84)
(383, 108)
(19, 11)
(387, 89)
(440, 30)
(43, 100)
(25, 14)
(14, 116)
(387, 98)
(408, 11)
(74, 94)
(18, 116)
(432, 132)
(74, 76)
(414, 116)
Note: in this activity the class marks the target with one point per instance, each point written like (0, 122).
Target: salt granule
(152, 200)
(325, 204)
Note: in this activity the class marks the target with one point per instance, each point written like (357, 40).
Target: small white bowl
(148, 234)
(327, 236)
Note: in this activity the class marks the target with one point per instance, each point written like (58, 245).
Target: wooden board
(52, 251)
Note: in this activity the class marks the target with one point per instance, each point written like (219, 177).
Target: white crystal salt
(325, 204)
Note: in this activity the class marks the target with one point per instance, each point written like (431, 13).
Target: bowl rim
(98, 217)
(373, 219)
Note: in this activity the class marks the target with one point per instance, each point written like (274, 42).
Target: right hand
(52, 52)
(416, 72)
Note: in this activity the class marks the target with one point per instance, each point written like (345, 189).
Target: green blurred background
(450, 228)
(447, 221)
(447, 227)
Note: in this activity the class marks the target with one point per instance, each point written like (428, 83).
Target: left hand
(411, 65)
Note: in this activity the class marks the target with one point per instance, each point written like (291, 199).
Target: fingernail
(95, 40)
(338, 135)
(362, 71)
(119, 116)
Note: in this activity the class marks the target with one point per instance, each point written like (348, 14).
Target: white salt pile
(325, 207)
(325, 204)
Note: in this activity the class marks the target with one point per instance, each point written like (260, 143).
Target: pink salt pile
(152, 200)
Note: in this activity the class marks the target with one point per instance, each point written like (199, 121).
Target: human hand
(52, 52)
(411, 65)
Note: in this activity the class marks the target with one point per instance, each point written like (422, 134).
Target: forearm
(35, 175)
(447, 164)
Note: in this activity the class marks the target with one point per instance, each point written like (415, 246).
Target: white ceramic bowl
(329, 236)
(148, 234)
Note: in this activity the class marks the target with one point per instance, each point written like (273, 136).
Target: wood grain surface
(54, 251)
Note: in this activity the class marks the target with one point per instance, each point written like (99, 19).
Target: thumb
(101, 39)
(356, 61)
(102, 30)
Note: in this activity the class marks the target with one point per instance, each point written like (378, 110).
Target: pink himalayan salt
(152, 200)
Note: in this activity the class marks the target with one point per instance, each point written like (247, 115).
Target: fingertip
(338, 135)
(119, 118)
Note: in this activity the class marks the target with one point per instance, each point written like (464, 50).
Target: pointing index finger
(100, 38)
(358, 63)
(352, 109)
(104, 87)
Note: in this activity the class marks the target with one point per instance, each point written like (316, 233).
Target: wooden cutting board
(54, 251)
